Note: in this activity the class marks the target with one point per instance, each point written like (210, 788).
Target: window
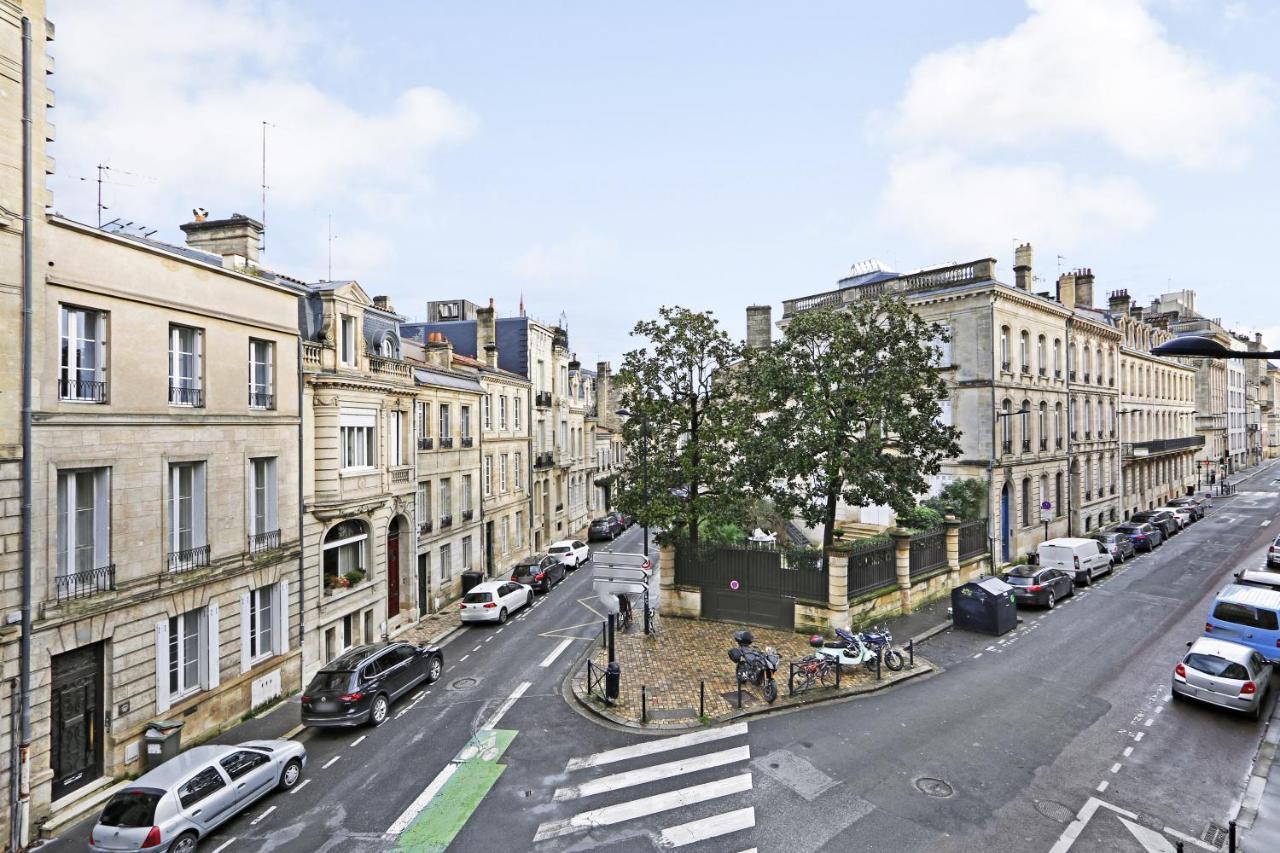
(519, 528)
(466, 425)
(1044, 426)
(1024, 351)
(1006, 441)
(486, 410)
(504, 542)
(239, 763)
(347, 342)
(502, 473)
(488, 475)
(395, 438)
(82, 369)
(515, 412)
(446, 426)
(185, 386)
(423, 417)
(262, 610)
(263, 502)
(1027, 521)
(423, 505)
(185, 653)
(187, 547)
(84, 542)
(261, 358)
(502, 412)
(1057, 493)
(466, 493)
(446, 564)
(344, 553)
(355, 436)
(1042, 355)
(204, 783)
(518, 472)
(1004, 348)
(368, 626)
(466, 553)
(1057, 357)
(446, 501)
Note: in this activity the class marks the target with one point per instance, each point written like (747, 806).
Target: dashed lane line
(1102, 786)
(358, 740)
(224, 845)
(305, 783)
(330, 762)
(259, 818)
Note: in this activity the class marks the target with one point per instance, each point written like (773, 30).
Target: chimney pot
(237, 236)
(759, 326)
(1022, 266)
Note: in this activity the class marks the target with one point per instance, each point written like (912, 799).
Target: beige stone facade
(504, 474)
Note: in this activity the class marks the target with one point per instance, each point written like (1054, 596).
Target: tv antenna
(262, 245)
(101, 206)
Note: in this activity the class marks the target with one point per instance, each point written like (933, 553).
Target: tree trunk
(694, 480)
(829, 524)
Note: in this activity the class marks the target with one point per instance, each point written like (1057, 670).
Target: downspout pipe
(302, 545)
(22, 823)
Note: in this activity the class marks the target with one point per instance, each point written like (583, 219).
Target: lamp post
(644, 493)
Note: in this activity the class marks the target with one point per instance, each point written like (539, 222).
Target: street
(1056, 737)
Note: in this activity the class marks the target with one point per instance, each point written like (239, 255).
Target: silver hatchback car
(172, 807)
(1225, 674)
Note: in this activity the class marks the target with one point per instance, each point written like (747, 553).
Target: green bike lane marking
(434, 829)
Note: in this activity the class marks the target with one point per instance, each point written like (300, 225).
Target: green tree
(965, 498)
(685, 421)
(849, 403)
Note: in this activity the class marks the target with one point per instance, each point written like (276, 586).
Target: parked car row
(609, 527)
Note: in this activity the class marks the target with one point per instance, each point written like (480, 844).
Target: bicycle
(624, 614)
(813, 671)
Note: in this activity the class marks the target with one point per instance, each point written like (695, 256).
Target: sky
(603, 159)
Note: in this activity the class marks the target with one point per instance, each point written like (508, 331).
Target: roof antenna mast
(262, 245)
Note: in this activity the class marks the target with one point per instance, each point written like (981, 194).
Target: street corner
(1101, 825)
(682, 677)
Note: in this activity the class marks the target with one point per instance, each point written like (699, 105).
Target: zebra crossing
(664, 786)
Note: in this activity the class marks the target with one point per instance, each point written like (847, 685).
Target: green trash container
(162, 740)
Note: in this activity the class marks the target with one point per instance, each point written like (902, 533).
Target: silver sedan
(175, 805)
(1225, 674)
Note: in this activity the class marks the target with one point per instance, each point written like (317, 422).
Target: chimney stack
(439, 351)
(759, 326)
(383, 303)
(487, 335)
(1084, 288)
(604, 395)
(1067, 289)
(1022, 257)
(235, 239)
(1118, 303)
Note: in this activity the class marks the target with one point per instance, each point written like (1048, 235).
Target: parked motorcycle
(848, 648)
(881, 640)
(755, 667)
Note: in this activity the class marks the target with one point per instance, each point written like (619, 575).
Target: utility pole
(262, 246)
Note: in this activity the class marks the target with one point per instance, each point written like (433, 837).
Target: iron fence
(928, 552)
(760, 566)
(871, 567)
(973, 538)
(259, 542)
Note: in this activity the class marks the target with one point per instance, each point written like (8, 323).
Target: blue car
(1247, 615)
(1145, 537)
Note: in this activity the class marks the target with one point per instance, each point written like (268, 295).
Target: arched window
(1006, 442)
(1057, 357)
(1027, 520)
(1042, 355)
(1044, 426)
(345, 548)
(1004, 348)
(1024, 351)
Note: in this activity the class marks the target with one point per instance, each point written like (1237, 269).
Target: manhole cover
(1054, 811)
(934, 787)
(1214, 834)
(463, 683)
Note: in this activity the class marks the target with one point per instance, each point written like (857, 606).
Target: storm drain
(1214, 834)
(937, 788)
(1054, 811)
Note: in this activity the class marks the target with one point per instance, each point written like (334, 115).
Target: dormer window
(347, 342)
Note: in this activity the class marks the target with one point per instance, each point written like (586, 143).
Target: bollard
(878, 666)
(612, 681)
(604, 634)
(702, 699)
(739, 695)
(1179, 847)
(911, 650)
(644, 705)
(1231, 837)
(838, 668)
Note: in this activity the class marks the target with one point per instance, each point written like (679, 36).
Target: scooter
(881, 640)
(755, 667)
(847, 648)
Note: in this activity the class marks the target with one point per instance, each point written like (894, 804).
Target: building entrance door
(393, 569)
(77, 719)
(488, 549)
(1005, 527)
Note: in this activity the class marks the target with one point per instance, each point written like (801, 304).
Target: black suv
(359, 685)
(602, 529)
(540, 572)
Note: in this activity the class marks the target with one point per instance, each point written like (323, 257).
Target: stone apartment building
(578, 447)
(1157, 400)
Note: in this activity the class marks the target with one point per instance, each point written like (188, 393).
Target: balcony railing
(424, 528)
(542, 399)
(468, 441)
(542, 460)
(1026, 369)
(1006, 367)
(401, 475)
(389, 367)
(1044, 444)
(191, 558)
(186, 395)
(82, 390)
(1057, 443)
(446, 443)
(1057, 373)
(259, 542)
(1086, 378)
(262, 400)
(559, 507)
(311, 354)
(1007, 446)
(446, 521)
(468, 514)
(425, 442)
(1044, 371)
(1026, 445)
(86, 583)
(1071, 375)
(1162, 445)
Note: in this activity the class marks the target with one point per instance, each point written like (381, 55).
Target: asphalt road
(1056, 738)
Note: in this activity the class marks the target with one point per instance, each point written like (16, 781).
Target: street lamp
(644, 492)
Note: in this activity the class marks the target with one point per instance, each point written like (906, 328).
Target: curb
(931, 632)
(1247, 810)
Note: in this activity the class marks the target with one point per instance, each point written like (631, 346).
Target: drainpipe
(12, 843)
(995, 542)
(1070, 424)
(21, 824)
(302, 549)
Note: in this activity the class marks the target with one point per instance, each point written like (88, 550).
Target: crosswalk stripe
(708, 827)
(654, 773)
(651, 747)
(609, 815)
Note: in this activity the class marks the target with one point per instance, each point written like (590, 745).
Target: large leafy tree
(849, 403)
(685, 422)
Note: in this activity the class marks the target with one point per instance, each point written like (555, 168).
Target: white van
(1084, 558)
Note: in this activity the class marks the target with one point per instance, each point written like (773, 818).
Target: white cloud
(176, 95)
(580, 258)
(965, 205)
(1080, 71)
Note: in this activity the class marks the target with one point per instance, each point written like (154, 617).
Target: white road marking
(477, 648)
(1102, 786)
(224, 845)
(487, 639)
(259, 818)
(492, 722)
(610, 815)
(464, 657)
(357, 741)
(305, 783)
(710, 827)
(428, 793)
(1139, 735)
(1265, 523)
(1128, 750)
(650, 747)
(555, 653)
(330, 762)
(654, 773)
(1115, 768)
(1149, 721)
(978, 655)
(500, 630)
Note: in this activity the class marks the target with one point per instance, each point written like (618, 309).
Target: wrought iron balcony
(424, 528)
(1006, 367)
(1071, 375)
(1086, 378)
(446, 443)
(1162, 446)
(542, 399)
(186, 395)
(1044, 371)
(401, 475)
(1044, 444)
(446, 521)
(262, 400)
(259, 542)
(82, 390)
(1026, 445)
(86, 583)
(468, 514)
(188, 559)
(1007, 446)
(1057, 373)
(468, 441)
(425, 442)
(1057, 443)
(1026, 369)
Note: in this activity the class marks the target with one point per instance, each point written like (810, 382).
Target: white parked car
(571, 552)
(494, 601)
(1185, 514)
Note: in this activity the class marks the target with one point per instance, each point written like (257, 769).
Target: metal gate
(758, 586)
(77, 719)
(754, 608)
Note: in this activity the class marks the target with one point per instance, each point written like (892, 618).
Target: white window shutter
(245, 663)
(214, 635)
(282, 613)
(273, 496)
(162, 666)
(199, 520)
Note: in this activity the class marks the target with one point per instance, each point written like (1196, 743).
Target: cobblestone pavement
(689, 654)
